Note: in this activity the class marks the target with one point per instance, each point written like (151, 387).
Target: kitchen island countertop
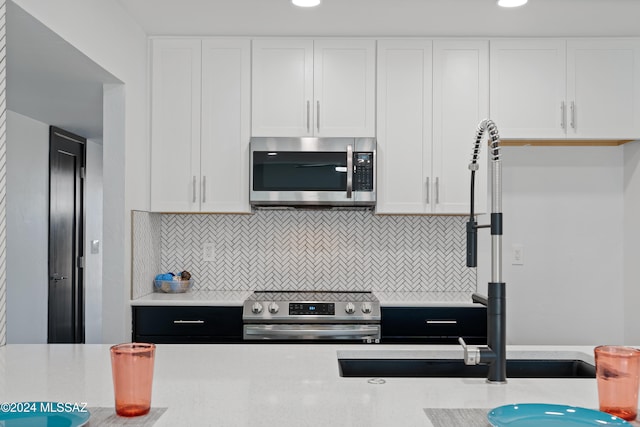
(279, 384)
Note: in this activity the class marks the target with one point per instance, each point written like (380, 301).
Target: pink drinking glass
(132, 368)
(618, 375)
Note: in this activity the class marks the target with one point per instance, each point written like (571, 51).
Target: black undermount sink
(455, 368)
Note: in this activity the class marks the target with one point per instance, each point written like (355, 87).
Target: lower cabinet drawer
(434, 325)
(182, 324)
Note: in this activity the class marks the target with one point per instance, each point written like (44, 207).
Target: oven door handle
(310, 331)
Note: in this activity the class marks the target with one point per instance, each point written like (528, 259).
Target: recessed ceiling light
(511, 3)
(306, 3)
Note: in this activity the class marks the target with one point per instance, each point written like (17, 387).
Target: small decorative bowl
(173, 286)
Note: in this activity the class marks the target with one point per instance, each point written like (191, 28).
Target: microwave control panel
(363, 171)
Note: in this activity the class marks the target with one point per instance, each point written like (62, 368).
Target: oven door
(356, 332)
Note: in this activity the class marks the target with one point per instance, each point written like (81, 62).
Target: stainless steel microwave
(306, 172)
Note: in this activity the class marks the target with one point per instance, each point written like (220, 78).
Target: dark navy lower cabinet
(187, 324)
(434, 325)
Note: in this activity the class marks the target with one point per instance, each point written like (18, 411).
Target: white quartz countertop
(278, 384)
(204, 298)
(236, 298)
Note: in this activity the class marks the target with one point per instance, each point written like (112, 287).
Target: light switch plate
(517, 254)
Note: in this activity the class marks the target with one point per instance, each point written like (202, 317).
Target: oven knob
(350, 308)
(366, 308)
(256, 308)
(273, 308)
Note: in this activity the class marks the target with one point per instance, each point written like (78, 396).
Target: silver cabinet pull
(573, 115)
(428, 188)
(188, 322)
(441, 322)
(349, 171)
(318, 115)
(308, 114)
(563, 115)
(437, 190)
(204, 188)
(194, 189)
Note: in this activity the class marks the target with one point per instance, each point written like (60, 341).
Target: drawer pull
(441, 322)
(189, 322)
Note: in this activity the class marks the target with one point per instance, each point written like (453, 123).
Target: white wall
(27, 232)
(631, 242)
(565, 206)
(93, 231)
(27, 229)
(105, 33)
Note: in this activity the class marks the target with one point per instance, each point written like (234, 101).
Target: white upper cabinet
(460, 103)
(200, 118)
(282, 87)
(344, 87)
(431, 97)
(603, 88)
(226, 124)
(575, 89)
(175, 125)
(309, 87)
(404, 126)
(528, 88)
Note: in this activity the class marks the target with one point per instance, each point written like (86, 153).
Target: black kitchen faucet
(494, 353)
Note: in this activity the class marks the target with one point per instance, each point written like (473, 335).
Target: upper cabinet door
(528, 87)
(344, 88)
(282, 87)
(404, 126)
(175, 125)
(226, 97)
(603, 91)
(460, 102)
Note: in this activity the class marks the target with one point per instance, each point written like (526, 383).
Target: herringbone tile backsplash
(324, 250)
(146, 251)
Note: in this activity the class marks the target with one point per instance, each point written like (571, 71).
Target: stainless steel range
(311, 315)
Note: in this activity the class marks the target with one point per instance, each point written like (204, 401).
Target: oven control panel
(302, 309)
(306, 307)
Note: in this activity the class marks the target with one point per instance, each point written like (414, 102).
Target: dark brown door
(66, 212)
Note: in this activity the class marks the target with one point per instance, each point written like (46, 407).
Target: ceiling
(51, 81)
(387, 18)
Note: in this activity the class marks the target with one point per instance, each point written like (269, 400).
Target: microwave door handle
(349, 171)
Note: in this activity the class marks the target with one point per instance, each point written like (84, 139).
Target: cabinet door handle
(437, 190)
(563, 115)
(349, 170)
(188, 322)
(441, 322)
(428, 188)
(308, 115)
(204, 188)
(573, 115)
(194, 189)
(318, 115)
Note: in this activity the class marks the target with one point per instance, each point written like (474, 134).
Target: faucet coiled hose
(494, 147)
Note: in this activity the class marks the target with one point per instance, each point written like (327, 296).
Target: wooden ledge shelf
(564, 142)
